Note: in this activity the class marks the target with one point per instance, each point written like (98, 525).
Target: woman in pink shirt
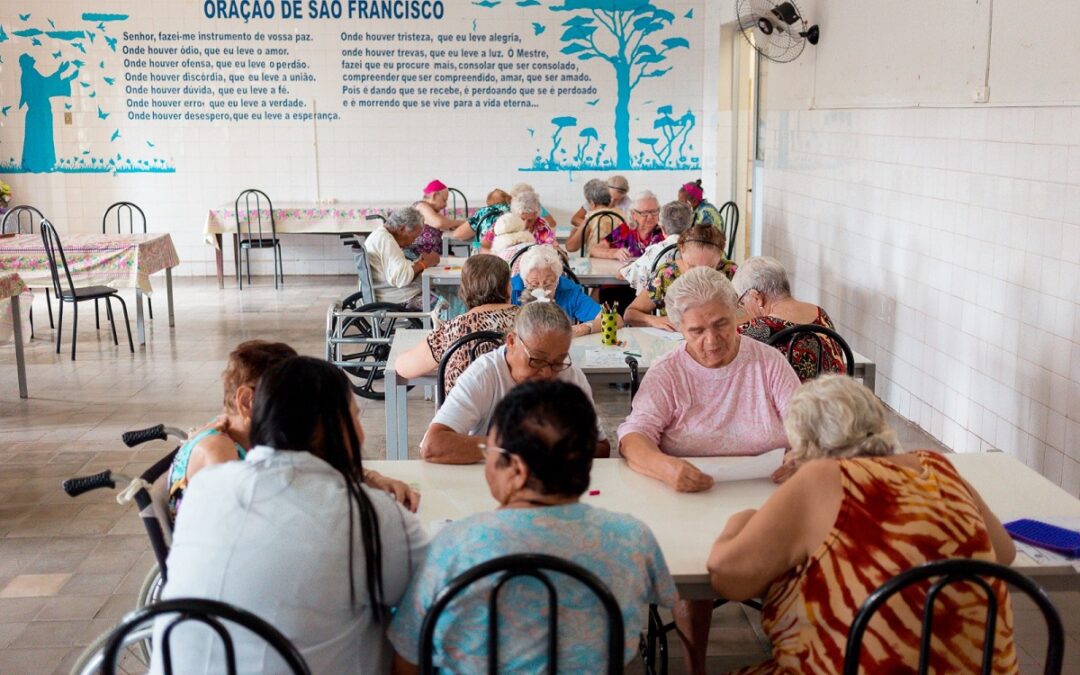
(717, 394)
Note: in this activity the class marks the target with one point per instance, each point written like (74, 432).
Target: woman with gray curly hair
(857, 512)
(394, 277)
(540, 277)
(523, 219)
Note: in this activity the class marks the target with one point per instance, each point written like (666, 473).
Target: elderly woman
(540, 277)
(675, 218)
(538, 453)
(765, 297)
(705, 213)
(525, 206)
(544, 213)
(497, 203)
(857, 512)
(699, 246)
(589, 234)
(619, 192)
(293, 535)
(396, 278)
(716, 394)
(629, 240)
(537, 349)
(433, 209)
(485, 290)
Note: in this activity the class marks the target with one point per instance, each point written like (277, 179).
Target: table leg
(425, 290)
(169, 295)
(390, 382)
(140, 325)
(219, 259)
(870, 377)
(20, 359)
(402, 416)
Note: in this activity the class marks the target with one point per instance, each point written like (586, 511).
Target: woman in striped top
(855, 514)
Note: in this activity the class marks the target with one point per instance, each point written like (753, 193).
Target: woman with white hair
(675, 218)
(629, 240)
(394, 277)
(544, 213)
(540, 278)
(717, 394)
(765, 297)
(526, 207)
(857, 512)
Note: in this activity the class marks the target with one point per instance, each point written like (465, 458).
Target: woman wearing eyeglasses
(699, 246)
(627, 241)
(537, 349)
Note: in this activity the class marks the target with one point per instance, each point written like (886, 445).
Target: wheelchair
(150, 492)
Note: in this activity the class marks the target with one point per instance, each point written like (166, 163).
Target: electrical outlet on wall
(981, 95)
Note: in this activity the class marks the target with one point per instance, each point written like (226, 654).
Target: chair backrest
(603, 217)
(789, 336)
(253, 203)
(210, 613)
(120, 210)
(567, 271)
(949, 572)
(367, 286)
(475, 343)
(54, 251)
(729, 213)
(635, 377)
(16, 215)
(662, 256)
(532, 566)
(458, 211)
(517, 255)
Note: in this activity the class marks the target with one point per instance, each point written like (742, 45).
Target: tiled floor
(70, 568)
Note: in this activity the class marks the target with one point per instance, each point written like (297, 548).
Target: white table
(640, 340)
(686, 525)
(594, 272)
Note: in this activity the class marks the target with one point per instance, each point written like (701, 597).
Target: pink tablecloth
(10, 284)
(120, 260)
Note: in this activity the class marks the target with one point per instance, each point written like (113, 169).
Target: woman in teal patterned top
(538, 456)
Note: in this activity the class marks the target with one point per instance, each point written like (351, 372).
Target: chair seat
(269, 242)
(89, 293)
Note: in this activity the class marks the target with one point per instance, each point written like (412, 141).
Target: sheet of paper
(1045, 557)
(729, 469)
(663, 334)
(605, 357)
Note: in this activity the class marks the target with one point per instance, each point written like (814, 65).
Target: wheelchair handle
(77, 486)
(155, 433)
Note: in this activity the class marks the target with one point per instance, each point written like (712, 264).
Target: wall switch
(981, 95)
(67, 118)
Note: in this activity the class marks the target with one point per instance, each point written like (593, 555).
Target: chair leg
(31, 322)
(112, 321)
(74, 328)
(127, 323)
(59, 325)
(281, 263)
(150, 306)
(239, 269)
(48, 303)
(247, 264)
(275, 252)
(97, 316)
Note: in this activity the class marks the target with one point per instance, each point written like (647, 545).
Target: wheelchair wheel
(367, 361)
(149, 593)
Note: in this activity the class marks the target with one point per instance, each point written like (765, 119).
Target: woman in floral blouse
(628, 241)
(485, 289)
(765, 298)
(699, 246)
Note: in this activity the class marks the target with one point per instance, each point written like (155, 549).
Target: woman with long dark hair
(293, 534)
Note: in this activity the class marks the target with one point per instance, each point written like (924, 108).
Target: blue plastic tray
(1044, 535)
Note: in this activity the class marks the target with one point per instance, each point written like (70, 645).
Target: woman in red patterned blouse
(765, 298)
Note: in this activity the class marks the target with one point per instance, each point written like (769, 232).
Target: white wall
(384, 156)
(941, 235)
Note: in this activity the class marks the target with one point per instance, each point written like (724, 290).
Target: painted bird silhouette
(57, 54)
(51, 23)
(5, 109)
(93, 94)
(149, 144)
(102, 115)
(115, 135)
(67, 106)
(111, 41)
(36, 42)
(101, 26)
(690, 14)
(3, 34)
(79, 46)
(538, 28)
(24, 17)
(531, 131)
(109, 80)
(592, 102)
(488, 3)
(101, 65)
(91, 36)
(79, 63)
(84, 85)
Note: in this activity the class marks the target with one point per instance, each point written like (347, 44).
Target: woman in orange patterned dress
(855, 514)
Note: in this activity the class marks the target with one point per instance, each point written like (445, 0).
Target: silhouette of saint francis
(39, 150)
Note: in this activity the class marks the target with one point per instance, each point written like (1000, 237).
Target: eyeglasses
(652, 213)
(739, 302)
(540, 364)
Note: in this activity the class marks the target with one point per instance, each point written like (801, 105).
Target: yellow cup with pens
(609, 326)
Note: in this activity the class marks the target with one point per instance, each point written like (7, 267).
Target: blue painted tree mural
(626, 44)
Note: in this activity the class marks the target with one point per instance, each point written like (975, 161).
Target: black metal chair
(729, 213)
(55, 253)
(17, 212)
(209, 613)
(458, 209)
(947, 572)
(533, 566)
(605, 216)
(476, 343)
(119, 209)
(256, 238)
(670, 249)
(788, 337)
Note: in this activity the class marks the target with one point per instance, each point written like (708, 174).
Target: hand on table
(622, 255)
(661, 322)
(404, 494)
(430, 259)
(685, 477)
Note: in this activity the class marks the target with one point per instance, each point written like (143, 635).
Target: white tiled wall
(945, 243)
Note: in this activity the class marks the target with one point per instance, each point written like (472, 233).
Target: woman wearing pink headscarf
(433, 208)
(705, 213)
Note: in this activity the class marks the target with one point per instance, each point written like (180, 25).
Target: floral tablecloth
(306, 218)
(120, 260)
(10, 284)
